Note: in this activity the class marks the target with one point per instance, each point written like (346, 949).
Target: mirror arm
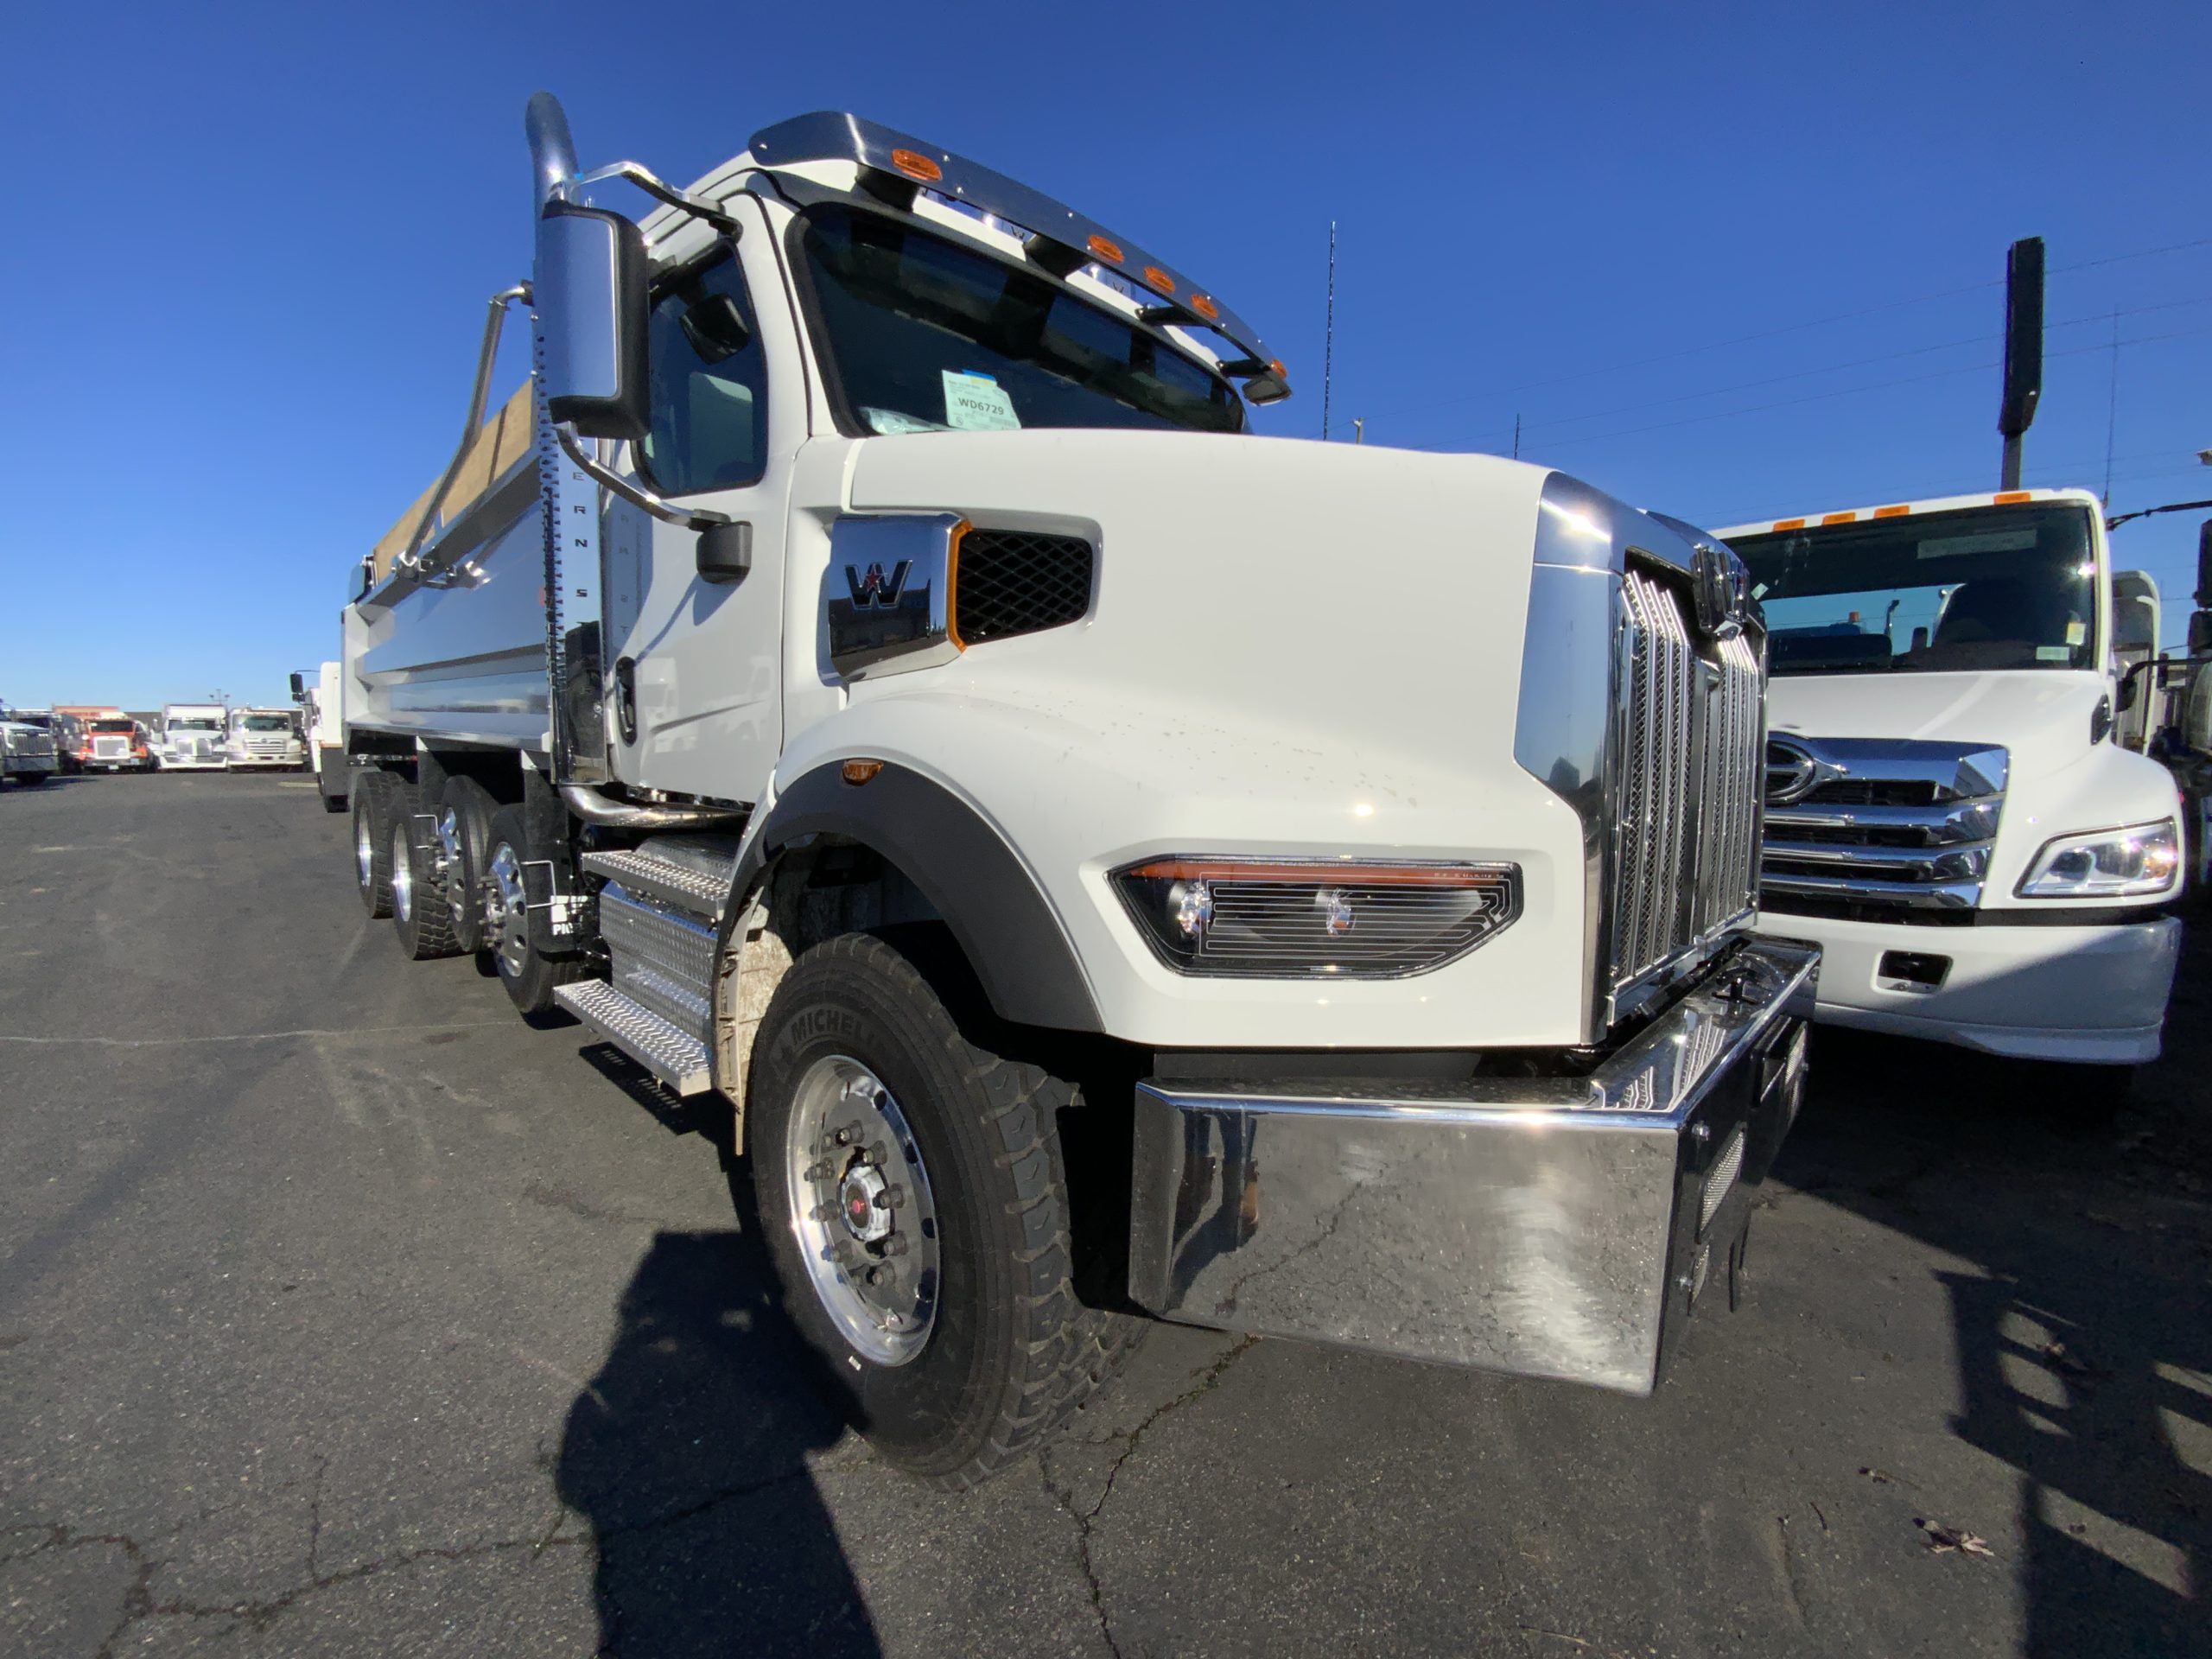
(487, 353)
(654, 185)
(667, 512)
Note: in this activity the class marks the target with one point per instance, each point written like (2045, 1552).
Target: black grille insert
(1012, 582)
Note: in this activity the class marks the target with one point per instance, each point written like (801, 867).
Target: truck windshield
(268, 723)
(196, 723)
(112, 726)
(923, 335)
(1969, 591)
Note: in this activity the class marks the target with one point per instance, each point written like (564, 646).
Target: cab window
(709, 383)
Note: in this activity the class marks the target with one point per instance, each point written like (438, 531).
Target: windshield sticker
(890, 422)
(1987, 541)
(2077, 633)
(2053, 653)
(977, 402)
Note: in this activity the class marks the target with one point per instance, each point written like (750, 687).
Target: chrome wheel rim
(402, 874)
(506, 914)
(364, 850)
(449, 847)
(862, 1213)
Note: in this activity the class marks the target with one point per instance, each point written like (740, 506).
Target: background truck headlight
(2144, 858)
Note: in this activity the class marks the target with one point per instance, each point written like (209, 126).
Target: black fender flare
(1008, 931)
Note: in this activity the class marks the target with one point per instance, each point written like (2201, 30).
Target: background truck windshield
(268, 723)
(1981, 588)
(923, 335)
(112, 727)
(196, 723)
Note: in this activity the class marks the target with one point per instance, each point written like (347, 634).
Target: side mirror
(299, 687)
(2200, 633)
(2131, 686)
(725, 552)
(589, 287)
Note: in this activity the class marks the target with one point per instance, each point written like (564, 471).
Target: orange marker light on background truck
(915, 165)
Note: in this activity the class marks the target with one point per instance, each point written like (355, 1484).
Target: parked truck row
(871, 673)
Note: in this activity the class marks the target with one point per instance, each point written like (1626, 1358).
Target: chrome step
(696, 879)
(671, 1054)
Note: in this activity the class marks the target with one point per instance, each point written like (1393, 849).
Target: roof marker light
(1891, 513)
(915, 165)
(1109, 251)
(1789, 524)
(2006, 498)
(1160, 279)
(1205, 306)
(1840, 519)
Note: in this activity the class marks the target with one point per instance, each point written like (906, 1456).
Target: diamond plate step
(697, 883)
(677, 1058)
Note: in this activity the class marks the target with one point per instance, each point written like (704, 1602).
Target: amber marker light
(1789, 524)
(957, 535)
(857, 773)
(1160, 279)
(2007, 498)
(915, 165)
(1841, 518)
(1109, 251)
(1891, 513)
(1205, 306)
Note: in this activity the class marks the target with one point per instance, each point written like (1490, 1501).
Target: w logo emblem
(872, 590)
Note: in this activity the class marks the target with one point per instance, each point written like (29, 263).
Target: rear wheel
(32, 780)
(530, 977)
(373, 791)
(911, 1186)
(418, 882)
(464, 829)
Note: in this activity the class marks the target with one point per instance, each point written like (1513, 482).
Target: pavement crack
(1086, 1520)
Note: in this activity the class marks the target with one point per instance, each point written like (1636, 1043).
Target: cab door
(694, 666)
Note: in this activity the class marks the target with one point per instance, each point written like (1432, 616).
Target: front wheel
(911, 1189)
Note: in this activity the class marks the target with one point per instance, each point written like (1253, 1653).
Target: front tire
(32, 780)
(530, 977)
(961, 1352)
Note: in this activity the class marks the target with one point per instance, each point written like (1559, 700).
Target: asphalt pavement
(343, 1312)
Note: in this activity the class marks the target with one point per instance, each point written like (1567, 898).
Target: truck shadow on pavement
(688, 1453)
(2083, 1325)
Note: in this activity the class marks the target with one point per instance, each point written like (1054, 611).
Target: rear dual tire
(530, 975)
(419, 875)
(371, 840)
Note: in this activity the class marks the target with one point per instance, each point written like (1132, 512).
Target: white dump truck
(1947, 812)
(192, 736)
(1109, 861)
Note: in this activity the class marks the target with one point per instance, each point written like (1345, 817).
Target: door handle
(626, 697)
(726, 551)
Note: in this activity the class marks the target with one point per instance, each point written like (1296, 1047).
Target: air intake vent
(1010, 582)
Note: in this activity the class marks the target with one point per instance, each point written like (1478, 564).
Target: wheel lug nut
(875, 1277)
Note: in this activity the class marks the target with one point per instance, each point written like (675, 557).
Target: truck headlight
(1315, 918)
(2144, 858)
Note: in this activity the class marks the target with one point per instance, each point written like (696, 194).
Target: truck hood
(2042, 716)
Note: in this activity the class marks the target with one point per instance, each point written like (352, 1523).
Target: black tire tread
(426, 934)
(531, 991)
(370, 795)
(1065, 1350)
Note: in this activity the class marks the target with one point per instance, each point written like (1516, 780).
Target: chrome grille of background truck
(1890, 825)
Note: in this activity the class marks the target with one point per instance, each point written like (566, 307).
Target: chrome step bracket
(677, 1058)
(698, 883)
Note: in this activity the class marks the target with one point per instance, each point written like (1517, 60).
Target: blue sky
(1730, 267)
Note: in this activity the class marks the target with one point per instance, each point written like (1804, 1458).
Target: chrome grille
(1891, 824)
(1688, 790)
(111, 748)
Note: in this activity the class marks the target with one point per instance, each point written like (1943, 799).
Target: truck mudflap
(1558, 1227)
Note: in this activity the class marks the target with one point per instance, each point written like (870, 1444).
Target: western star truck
(259, 740)
(114, 742)
(192, 736)
(1107, 859)
(1948, 812)
(323, 707)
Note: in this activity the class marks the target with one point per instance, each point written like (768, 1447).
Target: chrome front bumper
(1551, 1227)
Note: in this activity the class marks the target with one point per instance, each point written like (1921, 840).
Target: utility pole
(1358, 430)
(1328, 335)
(2022, 351)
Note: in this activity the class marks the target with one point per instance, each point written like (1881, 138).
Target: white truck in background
(262, 740)
(28, 753)
(192, 736)
(1948, 812)
(321, 699)
(870, 672)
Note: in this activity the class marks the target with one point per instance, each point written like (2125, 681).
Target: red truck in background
(107, 739)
